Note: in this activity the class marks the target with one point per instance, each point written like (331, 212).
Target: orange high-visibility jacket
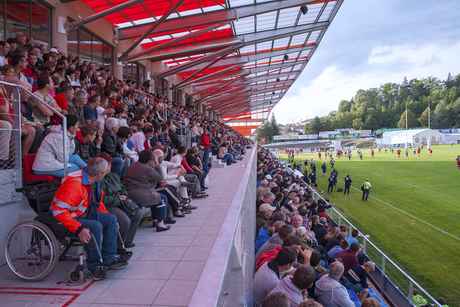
(71, 201)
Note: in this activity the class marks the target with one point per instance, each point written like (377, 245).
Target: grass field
(413, 212)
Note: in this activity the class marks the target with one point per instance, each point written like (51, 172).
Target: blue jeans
(228, 158)
(206, 161)
(74, 164)
(104, 228)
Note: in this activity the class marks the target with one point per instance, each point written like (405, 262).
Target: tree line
(385, 107)
(268, 130)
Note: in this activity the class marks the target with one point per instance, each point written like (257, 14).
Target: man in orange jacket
(78, 205)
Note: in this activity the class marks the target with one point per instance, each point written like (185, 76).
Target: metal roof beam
(114, 9)
(258, 69)
(187, 50)
(174, 41)
(273, 76)
(226, 15)
(217, 75)
(152, 27)
(252, 38)
(243, 59)
(203, 59)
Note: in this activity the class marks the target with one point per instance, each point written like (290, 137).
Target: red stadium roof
(239, 56)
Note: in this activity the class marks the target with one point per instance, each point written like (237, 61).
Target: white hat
(54, 50)
(268, 177)
(266, 207)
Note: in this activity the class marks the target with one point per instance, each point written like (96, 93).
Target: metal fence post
(410, 291)
(383, 263)
(64, 143)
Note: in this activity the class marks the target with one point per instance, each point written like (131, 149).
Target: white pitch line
(444, 232)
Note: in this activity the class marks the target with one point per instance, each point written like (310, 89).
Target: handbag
(129, 207)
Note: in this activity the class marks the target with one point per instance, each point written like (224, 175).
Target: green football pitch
(413, 212)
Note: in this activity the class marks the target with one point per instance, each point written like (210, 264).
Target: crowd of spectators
(126, 148)
(302, 257)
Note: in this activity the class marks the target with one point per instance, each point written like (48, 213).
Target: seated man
(295, 286)
(269, 274)
(78, 205)
(330, 291)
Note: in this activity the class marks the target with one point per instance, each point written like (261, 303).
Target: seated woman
(116, 200)
(141, 181)
(50, 156)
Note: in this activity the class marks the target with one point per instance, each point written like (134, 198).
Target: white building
(450, 138)
(411, 137)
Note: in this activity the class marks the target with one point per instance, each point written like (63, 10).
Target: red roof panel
(146, 9)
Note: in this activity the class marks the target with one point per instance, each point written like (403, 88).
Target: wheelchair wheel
(32, 250)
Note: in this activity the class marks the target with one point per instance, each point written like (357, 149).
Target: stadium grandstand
(122, 117)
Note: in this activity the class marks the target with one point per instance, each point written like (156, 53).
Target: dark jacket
(113, 188)
(111, 145)
(141, 181)
(86, 151)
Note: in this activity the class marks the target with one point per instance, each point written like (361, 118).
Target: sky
(372, 42)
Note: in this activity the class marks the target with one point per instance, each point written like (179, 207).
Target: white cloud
(384, 64)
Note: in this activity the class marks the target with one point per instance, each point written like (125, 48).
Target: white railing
(383, 261)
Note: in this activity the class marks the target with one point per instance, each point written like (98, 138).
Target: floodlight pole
(406, 125)
(429, 115)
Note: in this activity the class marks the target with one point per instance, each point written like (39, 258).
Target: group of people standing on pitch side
(332, 180)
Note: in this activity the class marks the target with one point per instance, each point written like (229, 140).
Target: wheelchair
(33, 248)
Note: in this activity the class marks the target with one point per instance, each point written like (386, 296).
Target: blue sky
(371, 42)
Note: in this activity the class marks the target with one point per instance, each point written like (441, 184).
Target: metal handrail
(387, 258)
(42, 102)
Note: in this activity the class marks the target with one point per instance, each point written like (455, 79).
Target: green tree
(275, 130)
(411, 120)
(423, 119)
(316, 125)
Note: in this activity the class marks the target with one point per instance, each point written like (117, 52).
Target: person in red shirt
(349, 257)
(64, 95)
(206, 145)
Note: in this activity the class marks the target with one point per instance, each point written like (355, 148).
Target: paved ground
(164, 270)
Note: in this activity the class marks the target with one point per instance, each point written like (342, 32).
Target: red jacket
(267, 256)
(72, 200)
(185, 165)
(205, 140)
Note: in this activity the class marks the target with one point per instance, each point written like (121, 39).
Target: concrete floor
(163, 271)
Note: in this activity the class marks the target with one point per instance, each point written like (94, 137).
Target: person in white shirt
(139, 138)
(172, 173)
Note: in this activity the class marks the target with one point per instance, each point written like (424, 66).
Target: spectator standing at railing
(206, 145)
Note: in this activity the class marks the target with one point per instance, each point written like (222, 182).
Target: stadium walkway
(164, 269)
